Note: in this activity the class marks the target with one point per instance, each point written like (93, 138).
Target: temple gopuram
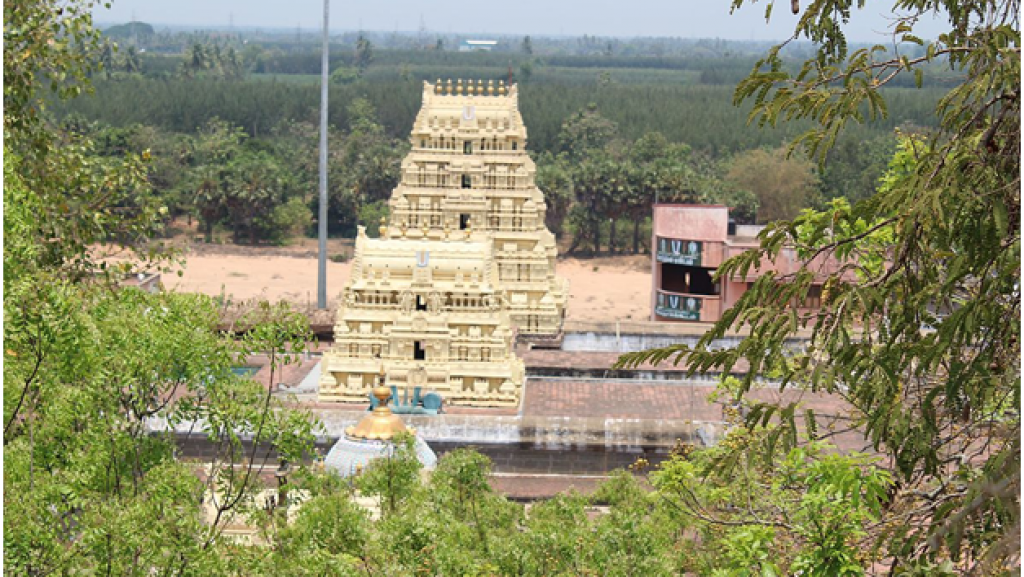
(465, 263)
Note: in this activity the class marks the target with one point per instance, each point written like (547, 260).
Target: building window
(688, 279)
(463, 221)
(467, 147)
(467, 181)
(418, 352)
(813, 298)
(515, 146)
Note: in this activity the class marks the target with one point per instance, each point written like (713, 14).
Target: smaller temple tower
(430, 308)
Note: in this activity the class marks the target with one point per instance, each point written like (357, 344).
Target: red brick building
(689, 243)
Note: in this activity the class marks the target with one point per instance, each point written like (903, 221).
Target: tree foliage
(90, 485)
(783, 185)
(919, 330)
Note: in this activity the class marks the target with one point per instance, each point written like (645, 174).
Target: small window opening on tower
(467, 147)
(515, 145)
(467, 181)
(463, 221)
(421, 303)
(418, 352)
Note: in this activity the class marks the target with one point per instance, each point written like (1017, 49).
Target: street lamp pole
(321, 279)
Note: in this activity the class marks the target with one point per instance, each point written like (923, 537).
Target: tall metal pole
(321, 278)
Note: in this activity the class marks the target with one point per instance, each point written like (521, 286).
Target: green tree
(289, 219)
(330, 535)
(89, 484)
(596, 180)
(195, 60)
(367, 169)
(461, 480)
(210, 154)
(525, 71)
(783, 185)
(661, 170)
(344, 75)
(853, 168)
(586, 130)
(364, 53)
(256, 186)
(919, 331)
(554, 178)
(108, 59)
(395, 477)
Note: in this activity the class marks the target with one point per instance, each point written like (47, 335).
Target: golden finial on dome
(448, 86)
(381, 424)
(382, 229)
(458, 87)
(437, 86)
(382, 394)
(501, 87)
(490, 88)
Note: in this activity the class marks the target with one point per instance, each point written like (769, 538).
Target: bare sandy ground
(601, 289)
(244, 277)
(605, 289)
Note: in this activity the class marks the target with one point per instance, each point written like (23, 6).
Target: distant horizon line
(238, 28)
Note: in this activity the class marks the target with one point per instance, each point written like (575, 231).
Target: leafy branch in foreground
(919, 329)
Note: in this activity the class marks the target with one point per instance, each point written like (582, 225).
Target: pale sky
(622, 18)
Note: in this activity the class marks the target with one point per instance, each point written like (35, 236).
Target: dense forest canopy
(266, 91)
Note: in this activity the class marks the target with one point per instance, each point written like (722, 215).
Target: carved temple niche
(338, 378)
(355, 382)
(481, 386)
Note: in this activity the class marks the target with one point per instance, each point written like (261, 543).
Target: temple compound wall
(465, 265)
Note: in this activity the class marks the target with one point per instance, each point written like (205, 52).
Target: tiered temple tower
(468, 169)
(465, 263)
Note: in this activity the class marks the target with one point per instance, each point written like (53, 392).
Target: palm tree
(232, 65)
(107, 58)
(209, 198)
(132, 65)
(196, 60)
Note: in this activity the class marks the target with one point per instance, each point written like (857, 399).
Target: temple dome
(371, 438)
(350, 456)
